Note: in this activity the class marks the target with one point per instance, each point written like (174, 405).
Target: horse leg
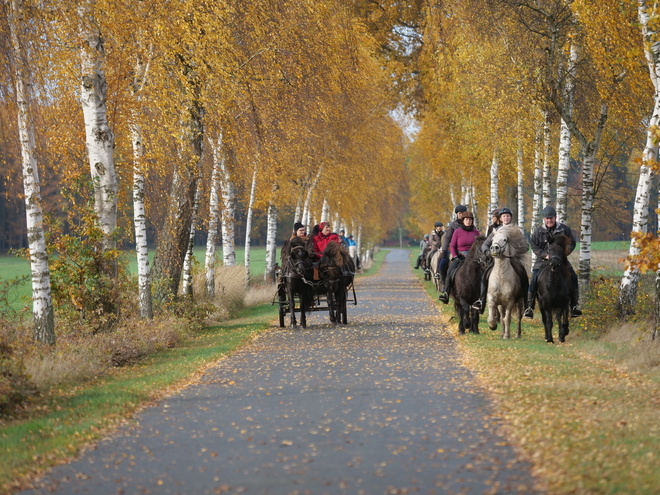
(563, 325)
(492, 321)
(505, 314)
(520, 309)
(331, 308)
(304, 304)
(461, 317)
(344, 309)
(474, 323)
(292, 304)
(547, 324)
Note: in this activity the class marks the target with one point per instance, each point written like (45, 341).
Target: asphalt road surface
(380, 406)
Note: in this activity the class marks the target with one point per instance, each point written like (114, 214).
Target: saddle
(451, 273)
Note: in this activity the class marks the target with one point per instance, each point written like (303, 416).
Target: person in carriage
(435, 243)
(298, 231)
(461, 242)
(321, 240)
(539, 242)
(504, 216)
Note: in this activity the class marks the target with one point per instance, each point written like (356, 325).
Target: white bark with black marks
(42, 304)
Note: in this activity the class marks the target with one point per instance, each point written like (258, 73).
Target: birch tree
(629, 282)
(521, 188)
(214, 207)
(565, 135)
(248, 225)
(42, 305)
(494, 181)
(100, 139)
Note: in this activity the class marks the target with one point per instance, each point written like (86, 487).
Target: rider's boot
(478, 305)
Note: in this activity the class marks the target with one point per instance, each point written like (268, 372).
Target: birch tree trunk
(307, 216)
(630, 280)
(547, 184)
(521, 189)
(325, 211)
(538, 188)
(139, 216)
(475, 206)
(214, 206)
(99, 137)
(174, 236)
(494, 182)
(187, 289)
(565, 138)
(42, 305)
(228, 216)
(248, 226)
(271, 245)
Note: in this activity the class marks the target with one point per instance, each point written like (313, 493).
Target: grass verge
(587, 424)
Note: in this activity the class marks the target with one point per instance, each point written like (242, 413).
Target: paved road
(381, 406)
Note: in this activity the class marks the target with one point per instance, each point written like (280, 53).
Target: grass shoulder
(585, 420)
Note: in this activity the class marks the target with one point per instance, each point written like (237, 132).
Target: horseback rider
(352, 251)
(423, 248)
(342, 238)
(504, 217)
(539, 242)
(435, 243)
(461, 242)
(495, 222)
(443, 264)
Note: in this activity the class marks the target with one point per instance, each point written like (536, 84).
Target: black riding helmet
(460, 209)
(506, 210)
(438, 224)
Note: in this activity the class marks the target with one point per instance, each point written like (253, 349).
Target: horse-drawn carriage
(328, 291)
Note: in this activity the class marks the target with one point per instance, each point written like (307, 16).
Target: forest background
(156, 124)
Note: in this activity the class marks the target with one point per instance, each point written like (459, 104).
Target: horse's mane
(517, 244)
(336, 253)
(562, 241)
(478, 241)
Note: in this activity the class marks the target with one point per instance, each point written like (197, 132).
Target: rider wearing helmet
(505, 217)
(443, 264)
(435, 242)
(423, 247)
(539, 242)
(495, 221)
(461, 242)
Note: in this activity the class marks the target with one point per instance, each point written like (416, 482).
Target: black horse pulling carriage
(329, 293)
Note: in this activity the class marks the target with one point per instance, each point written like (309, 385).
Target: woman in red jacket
(322, 239)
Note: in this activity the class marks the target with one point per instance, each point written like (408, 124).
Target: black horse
(554, 288)
(297, 273)
(466, 287)
(337, 271)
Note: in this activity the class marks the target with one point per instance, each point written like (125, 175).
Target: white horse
(505, 291)
(435, 261)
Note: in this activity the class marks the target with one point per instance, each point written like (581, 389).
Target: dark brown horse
(297, 273)
(554, 288)
(466, 287)
(337, 271)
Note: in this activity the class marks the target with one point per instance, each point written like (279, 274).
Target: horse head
(299, 261)
(509, 241)
(557, 251)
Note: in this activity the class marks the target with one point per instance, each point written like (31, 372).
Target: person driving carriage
(461, 242)
(504, 217)
(298, 231)
(539, 242)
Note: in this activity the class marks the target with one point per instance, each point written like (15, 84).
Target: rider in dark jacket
(539, 242)
(446, 239)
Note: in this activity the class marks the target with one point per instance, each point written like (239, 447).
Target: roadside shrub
(230, 290)
(15, 384)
